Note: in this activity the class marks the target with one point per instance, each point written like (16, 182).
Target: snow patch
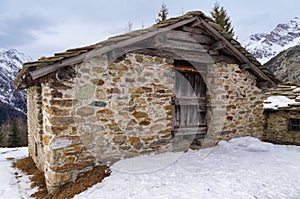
(297, 90)
(275, 102)
(146, 163)
(251, 144)
(240, 168)
(13, 183)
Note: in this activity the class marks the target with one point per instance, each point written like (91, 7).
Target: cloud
(20, 30)
(41, 28)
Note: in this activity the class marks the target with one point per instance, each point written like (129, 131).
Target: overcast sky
(43, 27)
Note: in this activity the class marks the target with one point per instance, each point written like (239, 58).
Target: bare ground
(66, 191)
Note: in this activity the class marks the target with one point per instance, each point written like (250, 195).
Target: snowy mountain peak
(264, 46)
(294, 24)
(10, 62)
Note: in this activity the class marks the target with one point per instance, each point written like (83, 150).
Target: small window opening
(294, 125)
(35, 149)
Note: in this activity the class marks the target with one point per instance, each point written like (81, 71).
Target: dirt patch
(36, 176)
(66, 191)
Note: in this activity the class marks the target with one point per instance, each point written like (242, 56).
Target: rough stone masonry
(121, 109)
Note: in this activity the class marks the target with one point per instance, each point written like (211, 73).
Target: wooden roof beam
(105, 49)
(192, 30)
(218, 45)
(245, 67)
(239, 55)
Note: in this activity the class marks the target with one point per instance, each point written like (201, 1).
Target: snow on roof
(284, 97)
(297, 90)
(275, 102)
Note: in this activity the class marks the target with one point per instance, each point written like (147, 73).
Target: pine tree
(1, 138)
(220, 16)
(13, 139)
(163, 13)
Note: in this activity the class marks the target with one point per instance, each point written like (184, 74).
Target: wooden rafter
(180, 40)
(235, 51)
(218, 45)
(105, 49)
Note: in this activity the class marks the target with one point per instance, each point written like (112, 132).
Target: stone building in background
(282, 115)
(179, 84)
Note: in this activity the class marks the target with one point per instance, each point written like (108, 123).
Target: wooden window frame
(294, 124)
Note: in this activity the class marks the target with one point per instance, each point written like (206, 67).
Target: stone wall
(276, 127)
(34, 120)
(117, 110)
(235, 107)
(108, 112)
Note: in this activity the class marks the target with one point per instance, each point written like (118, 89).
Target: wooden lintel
(218, 45)
(191, 66)
(202, 71)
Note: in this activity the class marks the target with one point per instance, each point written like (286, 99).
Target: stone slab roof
(32, 71)
(284, 97)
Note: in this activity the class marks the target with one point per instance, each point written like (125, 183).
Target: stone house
(282, 115)
(181, 83)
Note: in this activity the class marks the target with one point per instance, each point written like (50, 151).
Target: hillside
(13, 102)
(7, 111)
(286, 65)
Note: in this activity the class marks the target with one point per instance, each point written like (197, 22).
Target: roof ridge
(36, 69)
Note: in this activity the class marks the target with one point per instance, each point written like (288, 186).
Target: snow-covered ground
(13, 183)
(241, 168)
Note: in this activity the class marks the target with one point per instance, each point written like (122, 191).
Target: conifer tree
(163, 13)
(220, 16)
(13, 139)
(1, 138)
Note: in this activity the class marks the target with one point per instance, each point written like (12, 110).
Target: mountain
(13, 102)
(264, 46)
(286, 65)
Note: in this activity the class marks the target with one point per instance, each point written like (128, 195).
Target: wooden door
(189, 116)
